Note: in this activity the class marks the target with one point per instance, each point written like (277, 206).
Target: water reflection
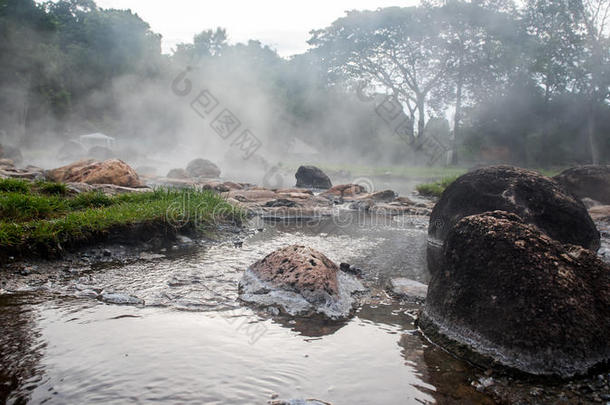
(21, 347)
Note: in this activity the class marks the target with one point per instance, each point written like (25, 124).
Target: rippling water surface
(192, 341)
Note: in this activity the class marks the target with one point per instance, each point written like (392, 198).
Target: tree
(206, 44)
(403, 50)
(483, 42)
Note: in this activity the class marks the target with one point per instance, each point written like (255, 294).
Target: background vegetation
(498, 82)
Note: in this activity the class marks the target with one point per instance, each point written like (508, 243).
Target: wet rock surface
(515, 297)
(344, 190)
(408, 289)
(590, 181)
(89, 171)
(300, 281)
(312, 177)
(537, 199)
(195, 285)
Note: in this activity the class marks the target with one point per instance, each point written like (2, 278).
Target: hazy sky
(283, 25)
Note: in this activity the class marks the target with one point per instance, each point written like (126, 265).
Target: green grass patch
(51, 188)
(14, 186)
(48, 223)
(436, 188)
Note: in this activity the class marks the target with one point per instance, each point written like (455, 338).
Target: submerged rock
(120, 298)
(507, 293)
(298, 402)
(202, 168)
(590, 181)
(300, 281)
(89, 171)
(312, 177)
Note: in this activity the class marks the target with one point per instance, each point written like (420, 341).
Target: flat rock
(408, 289)
(345, 190)
(120, 299)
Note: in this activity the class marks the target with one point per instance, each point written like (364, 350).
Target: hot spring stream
(193, 342)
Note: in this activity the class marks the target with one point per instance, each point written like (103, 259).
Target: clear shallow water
(192, 341)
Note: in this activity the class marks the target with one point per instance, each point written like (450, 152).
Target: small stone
(107, 253)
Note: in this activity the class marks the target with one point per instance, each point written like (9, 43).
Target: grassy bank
(43, 219)
(435, 189)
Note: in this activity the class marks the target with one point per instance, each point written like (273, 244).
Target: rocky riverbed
(176, 304)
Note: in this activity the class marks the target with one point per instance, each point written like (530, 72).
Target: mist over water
(480, 81)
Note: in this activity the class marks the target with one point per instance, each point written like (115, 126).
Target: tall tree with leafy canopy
(403, 50)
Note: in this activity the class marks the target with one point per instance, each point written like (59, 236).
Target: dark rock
(508, 294)
(350, 269)
(386, 195)
(202, 168)
(312, 177)
(537, 199)
(280, 202)
(589, 181)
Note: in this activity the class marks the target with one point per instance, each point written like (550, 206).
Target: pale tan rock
(113, 171)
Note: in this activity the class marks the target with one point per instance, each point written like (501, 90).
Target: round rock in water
(508, 294)
(312, 177)
(300, 281)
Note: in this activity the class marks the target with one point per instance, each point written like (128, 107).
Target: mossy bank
(41, 219)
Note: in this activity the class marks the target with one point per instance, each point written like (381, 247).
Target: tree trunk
(421, 122)
(456, 120)
(591, 135)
